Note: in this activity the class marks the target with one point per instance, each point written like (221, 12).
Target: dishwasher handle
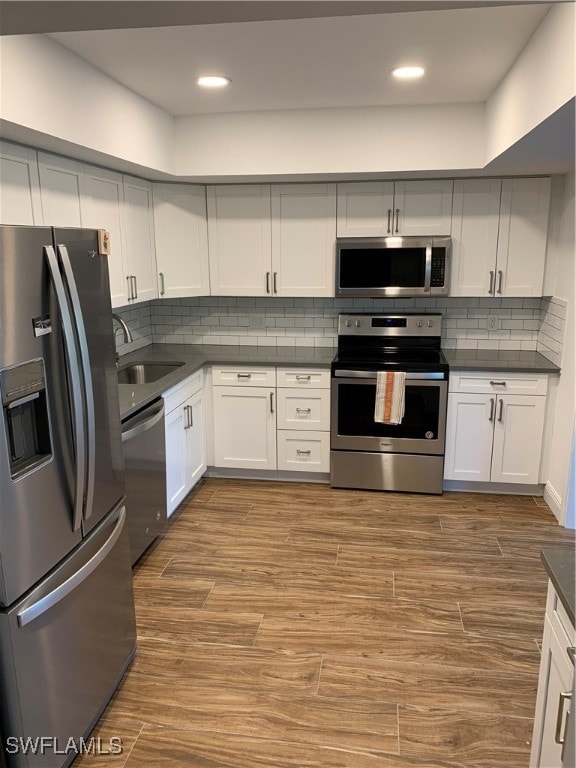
(142, 422)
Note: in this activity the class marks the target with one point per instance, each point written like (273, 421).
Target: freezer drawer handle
(142, 425)
(52, 598)
(87, 373)
(75, 385)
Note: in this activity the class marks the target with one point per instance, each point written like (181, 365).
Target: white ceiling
(315, 62)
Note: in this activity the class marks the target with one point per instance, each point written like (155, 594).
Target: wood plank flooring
(289, 625)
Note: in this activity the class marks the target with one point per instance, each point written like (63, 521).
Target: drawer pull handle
(501, 411)
(162, 286)
(498, 383)
(267, 282)
(244, 375)
(491, 417)
(302, 377)
(299, 452)
(389, 217)
(303, 410)
(271, 402)
(500, 276)
(491, 288)
(561, 721)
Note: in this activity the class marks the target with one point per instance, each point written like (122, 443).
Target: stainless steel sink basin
(144, 373)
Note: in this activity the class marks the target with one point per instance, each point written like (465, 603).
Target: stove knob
(430, 323)
(348, 323)
(419, 323)
(358, 323)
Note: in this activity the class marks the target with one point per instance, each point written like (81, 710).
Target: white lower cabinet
(261, 426)
(492, 433)
(185, 439)
(555, 688)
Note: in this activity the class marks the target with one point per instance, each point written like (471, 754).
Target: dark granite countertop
(561, 568)
(196, 356)
(499, 360)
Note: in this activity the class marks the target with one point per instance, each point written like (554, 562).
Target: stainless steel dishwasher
(144, 447)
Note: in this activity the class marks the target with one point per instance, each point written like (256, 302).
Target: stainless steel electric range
(367, 454)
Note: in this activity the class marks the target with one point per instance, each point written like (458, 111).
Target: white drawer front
(309, 378)
(303, 451)
(499, 383)
(180, 392)
(303, 410)
(243, 376)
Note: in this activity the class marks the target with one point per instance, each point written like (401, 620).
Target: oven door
(423, 428)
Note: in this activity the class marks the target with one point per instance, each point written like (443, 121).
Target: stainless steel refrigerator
(67, 627)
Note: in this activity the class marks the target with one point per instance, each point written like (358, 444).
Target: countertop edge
(560, 567)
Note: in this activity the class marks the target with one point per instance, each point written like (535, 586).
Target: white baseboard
(554, 501)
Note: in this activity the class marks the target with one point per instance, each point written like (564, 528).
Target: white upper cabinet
(474, 236)
(20, 197)
(303, 239)
(499, 231)
(102, 206)
(365, 209)
(61, 190)
(139, 231)
(423, 207)
(378, 209)
(522, 238)
(239, 240)
(181, 240)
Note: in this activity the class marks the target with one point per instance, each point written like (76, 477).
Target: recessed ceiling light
(408, 73)
(213, 81)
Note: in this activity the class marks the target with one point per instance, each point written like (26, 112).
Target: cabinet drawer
(561, 624)
(303, 410)
(303, 451)
(308, 378)
(491, 382)
(243, 376)
(180, 392)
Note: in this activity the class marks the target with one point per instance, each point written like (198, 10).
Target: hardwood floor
(285, 625)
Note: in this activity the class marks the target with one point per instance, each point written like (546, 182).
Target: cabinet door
(61, 190)
(474, 236)
(303, 239)
(522, 237)
(20, 198)
(552, 706)
(519, 423)
(139, 229)
(102, 206)
(365, 209)
(195, 440)
(245, 427)
(469, 430)
(423, 207)
(239, 240)
(176, 487)
(181, 240)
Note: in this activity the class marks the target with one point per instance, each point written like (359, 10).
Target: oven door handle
(417, 375)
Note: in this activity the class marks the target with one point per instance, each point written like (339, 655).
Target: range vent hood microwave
(377, 267)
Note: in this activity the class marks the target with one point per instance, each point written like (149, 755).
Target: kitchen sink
(144, 373)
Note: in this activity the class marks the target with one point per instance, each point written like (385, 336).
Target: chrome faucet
(125, 330)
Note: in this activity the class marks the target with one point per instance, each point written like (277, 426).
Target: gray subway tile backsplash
(530, 323)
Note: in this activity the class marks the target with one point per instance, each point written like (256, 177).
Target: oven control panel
(405, 324)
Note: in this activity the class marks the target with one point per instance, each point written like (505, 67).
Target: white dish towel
(389, 406)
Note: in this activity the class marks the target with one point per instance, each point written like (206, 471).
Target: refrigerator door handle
(47, 602)
(76, 386)
(87, 375)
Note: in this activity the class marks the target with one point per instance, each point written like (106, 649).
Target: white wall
(48, 89)
(560, 281)
(331, 141)
(540, 82)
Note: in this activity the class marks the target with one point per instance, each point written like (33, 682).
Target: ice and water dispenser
(25, 410)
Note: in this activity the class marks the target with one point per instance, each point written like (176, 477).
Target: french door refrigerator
(67, 627)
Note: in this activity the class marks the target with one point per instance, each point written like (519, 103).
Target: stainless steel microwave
(375, 267)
